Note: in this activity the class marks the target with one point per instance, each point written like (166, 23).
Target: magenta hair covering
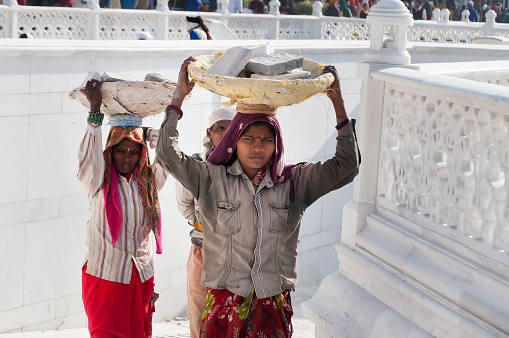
(222, 154)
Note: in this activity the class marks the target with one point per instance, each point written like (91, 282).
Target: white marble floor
(179, 327)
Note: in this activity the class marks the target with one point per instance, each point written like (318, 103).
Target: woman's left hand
(334, 91)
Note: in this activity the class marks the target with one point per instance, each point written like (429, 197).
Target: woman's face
(126, 156)
(255, 148)
(216, 132)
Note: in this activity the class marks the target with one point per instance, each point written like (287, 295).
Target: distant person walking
(472, 17)
(365, 10)
(197, 29)
(418, 12)
(332, 9)
(235, 6)
(257, 7)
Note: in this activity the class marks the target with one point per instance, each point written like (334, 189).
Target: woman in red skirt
(118, 274)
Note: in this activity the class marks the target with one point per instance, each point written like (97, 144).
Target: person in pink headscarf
(251, 205)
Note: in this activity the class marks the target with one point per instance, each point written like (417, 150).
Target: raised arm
(192, 174)
(90, 153)
(317, 179)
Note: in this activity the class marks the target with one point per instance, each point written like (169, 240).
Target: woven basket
(139, 98)
(273, 93)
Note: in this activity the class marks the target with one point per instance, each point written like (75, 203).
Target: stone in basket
(139, 98)
(270, 90)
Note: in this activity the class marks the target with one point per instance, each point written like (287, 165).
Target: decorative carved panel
(445, 162)
(126, 26)
(4, 22)
(54, 24)
(290, 29)
(251, 28)
(444, 33)
(345, 30)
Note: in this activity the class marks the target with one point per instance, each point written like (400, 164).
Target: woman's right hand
(93, 93)
(184, 85)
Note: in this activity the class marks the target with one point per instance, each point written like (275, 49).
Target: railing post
(464, 15)
(93, 4)
(490, 24)
(11, 3)
(162, 6)
(13, 18)
(317, 8)
(222, 6)
(274, 10)
(274, 7)
(162, 28)
(436, 15)
(444, 15)
(391, 14)
(93, 25)
(12, 24)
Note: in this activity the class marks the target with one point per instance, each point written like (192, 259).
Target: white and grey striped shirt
(134, 243)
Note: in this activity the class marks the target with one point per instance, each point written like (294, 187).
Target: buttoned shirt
(250, 237)
(134, 243)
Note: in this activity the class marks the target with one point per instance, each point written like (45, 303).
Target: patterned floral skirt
(229, 315)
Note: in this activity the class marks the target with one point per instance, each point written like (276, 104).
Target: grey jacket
(189, 209)
(250, 239)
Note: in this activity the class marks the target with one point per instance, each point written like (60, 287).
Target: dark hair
(199, 21)
(261, 123)
(23, 36)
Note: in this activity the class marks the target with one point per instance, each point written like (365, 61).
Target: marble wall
(43, 208)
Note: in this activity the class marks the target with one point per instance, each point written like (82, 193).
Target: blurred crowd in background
(420, 9)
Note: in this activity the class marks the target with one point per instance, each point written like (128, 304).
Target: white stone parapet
(94, 23)
(424, 250)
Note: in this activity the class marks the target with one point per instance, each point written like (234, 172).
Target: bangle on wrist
(176, 109)
(95, 117)
(342, 124)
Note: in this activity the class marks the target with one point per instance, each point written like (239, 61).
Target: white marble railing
(424, 246)
(424, 250)
(111, 24)
(444, 156)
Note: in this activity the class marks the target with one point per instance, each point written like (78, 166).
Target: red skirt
(116, 309)
(230, 315)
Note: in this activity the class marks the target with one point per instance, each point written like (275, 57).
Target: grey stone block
(275, 64)
(291, 75)
(231, 62)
